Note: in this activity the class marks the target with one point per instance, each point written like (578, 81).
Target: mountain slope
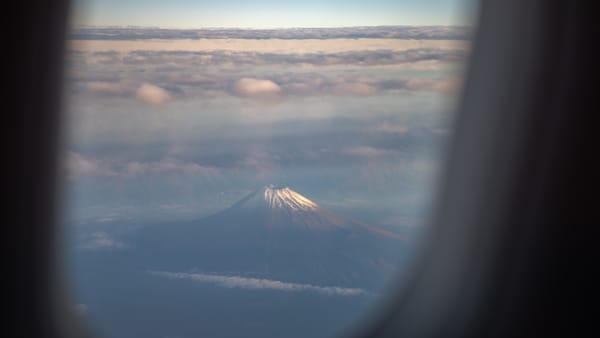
(277, 233)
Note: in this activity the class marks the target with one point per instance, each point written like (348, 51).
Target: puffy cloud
(251, 87)
(260, 284)
(152, 94)
(449, 86)
(101, 241)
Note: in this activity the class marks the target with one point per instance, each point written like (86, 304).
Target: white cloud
(152, 94)
(251, 87)
(449, 86)
(364, 151)
(101, 241)
(259, 283)
(78, 165)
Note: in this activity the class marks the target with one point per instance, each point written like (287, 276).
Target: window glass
(252, 168)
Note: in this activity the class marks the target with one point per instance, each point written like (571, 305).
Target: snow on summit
(274, 198)
(286, 198)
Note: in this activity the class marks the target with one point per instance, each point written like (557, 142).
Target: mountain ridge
(278, 234)
(284, 199)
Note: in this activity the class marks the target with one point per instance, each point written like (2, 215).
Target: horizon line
(258, 28)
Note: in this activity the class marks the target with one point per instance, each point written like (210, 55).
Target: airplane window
(252, 168)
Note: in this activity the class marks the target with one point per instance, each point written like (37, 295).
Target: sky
(270, 13)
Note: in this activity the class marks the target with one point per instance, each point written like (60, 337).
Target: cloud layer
(281, 85)
(177, 121)
(359, 57)
(382, 32)
(259, 284)
(156, 73)
(79, 166)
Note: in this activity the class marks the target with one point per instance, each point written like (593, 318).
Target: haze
(170, 134)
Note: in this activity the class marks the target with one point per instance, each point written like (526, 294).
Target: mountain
(276, 233)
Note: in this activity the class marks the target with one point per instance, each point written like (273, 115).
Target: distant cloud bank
(130, 63)
(259, 284)
(373, 32)
(77, 166)
(181, 58)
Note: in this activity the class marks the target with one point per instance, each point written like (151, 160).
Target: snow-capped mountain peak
(286, 198)
(276, 198)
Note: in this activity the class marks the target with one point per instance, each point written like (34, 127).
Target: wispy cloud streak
(77, 166)
(259, 283)
(101, 241)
